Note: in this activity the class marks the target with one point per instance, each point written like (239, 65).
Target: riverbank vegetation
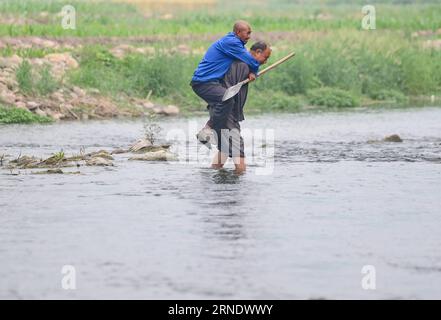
(15, 115)
(125, 51)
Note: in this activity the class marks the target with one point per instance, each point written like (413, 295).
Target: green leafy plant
(58, 156)
(38, 81)
(333, 98)
(15, 115)
(46, 84)
(389, 95)
(24, 77)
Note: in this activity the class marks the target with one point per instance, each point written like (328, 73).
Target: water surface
(333, 203)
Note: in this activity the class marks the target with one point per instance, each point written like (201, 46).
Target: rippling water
(335, 200)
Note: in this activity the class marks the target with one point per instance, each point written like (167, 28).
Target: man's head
(242, 29)
(261, 51)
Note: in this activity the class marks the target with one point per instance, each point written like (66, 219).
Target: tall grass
(37, 81)
(353, 62)
(104, 18)
(335, 57)
(14, 115)
(162, 76)
(343, 62)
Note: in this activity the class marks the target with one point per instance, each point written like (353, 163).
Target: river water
(300, 225)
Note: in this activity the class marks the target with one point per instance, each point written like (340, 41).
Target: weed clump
(15, 115)
(333, 98)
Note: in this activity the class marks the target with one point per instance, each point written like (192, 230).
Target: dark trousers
(225, 116)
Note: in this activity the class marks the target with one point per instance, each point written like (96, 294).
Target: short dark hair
(259, 45)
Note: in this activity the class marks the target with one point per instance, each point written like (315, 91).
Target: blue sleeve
(235, 49)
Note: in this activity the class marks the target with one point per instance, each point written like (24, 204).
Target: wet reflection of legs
(224, 176)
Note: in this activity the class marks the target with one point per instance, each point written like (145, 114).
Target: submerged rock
(140, 144)
(150, 149)
(119, 151)
(100, 154)
(98, 161)
(50, 171)
(24, 162)
(161, 155)
(393, 138)
(57, 161)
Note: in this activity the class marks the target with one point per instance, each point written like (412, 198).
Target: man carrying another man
(226, 63)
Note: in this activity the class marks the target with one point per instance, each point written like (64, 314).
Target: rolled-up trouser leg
(227, 128)
(238, 72)
(212, 93)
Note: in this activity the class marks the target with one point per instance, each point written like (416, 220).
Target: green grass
(35, 82)
(332, 98)
(14, 115)
(393, 96)
(337, 63)
(120, 19)
(384, 71)
(167, 77)
(24, 77)
(277, 101)
(362, 64)
(33, 52)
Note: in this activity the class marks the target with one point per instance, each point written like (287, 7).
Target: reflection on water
(337, 200)
(225, 176)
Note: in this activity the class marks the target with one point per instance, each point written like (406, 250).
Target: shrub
(377, 71)
(388, 95)
(40, 82)
(331, 97)
(24, 77)
(334, 69)
(46, 83)
(419, 73)
(294, 77)
(274, 101)
(136, 74)
(15, 115)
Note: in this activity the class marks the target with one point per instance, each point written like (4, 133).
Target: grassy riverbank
(126, 51)
(15, 115)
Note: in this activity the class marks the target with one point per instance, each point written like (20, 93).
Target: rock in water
(140, 144)
(171, 110)
(393, 138)
(119, 151)
(161, 155)
(98, 161)
(24, 162)
(100, 154)
(50, 171)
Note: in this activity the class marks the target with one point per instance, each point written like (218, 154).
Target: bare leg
(240, 165)
(219, 160)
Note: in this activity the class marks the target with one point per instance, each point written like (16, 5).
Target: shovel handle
(275, 64)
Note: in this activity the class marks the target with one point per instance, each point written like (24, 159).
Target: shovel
(233, 90)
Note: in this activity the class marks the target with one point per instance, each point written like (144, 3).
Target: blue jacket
(220, 56)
